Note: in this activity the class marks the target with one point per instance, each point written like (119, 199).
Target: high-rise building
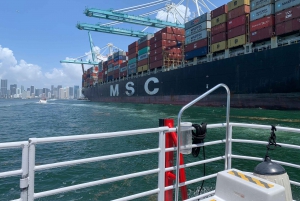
(13, 89)
(76, 92)
(32, 90)
(3, 88)
(52, 89)
(71, 92)
(22, 88)
(28, 89)
(58, 90)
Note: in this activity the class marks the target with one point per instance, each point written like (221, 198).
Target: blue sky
(35, 35)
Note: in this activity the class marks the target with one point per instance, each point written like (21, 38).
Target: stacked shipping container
(197, 32)
(132, 58)
(91, 75)
(119, 58)
(219, 29)
(143, 53)
(287, 16)
(238, 22)
(165, 48)
(261, 20)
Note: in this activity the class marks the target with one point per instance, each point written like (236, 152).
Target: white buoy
(275, 173)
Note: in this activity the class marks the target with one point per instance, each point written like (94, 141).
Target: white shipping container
(195, 37)
(197, 28)
(284, 4)
(198, 20)
(262, 12)
(145, 38)
(255, 4)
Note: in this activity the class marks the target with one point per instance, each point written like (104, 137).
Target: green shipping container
(131, 61)
(144, 50)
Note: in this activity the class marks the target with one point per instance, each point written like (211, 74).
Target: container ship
(253, 47)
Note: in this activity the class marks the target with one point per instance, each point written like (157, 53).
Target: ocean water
(23, 119)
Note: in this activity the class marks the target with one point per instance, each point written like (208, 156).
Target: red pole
(171, 140)
(169, 160)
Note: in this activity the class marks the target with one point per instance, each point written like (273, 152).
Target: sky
(35, 35)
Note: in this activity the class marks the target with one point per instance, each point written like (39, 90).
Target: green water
(22, 119)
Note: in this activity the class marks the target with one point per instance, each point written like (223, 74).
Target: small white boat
(43, 100)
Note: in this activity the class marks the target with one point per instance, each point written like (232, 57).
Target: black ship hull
(266, 79)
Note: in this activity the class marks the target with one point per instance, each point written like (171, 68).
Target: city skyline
(58, 91)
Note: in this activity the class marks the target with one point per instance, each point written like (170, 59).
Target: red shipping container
(159, 37)
(134, 50)
(123, 64)
(156, 64)
(287, 14)
(166, 43)
(171, 30)
(261, 34)
(219, 37)
(155, 58)
(296, 24)
(123, 74)
(133, 45)
(144, 44)
(262, 23)
(219, 11)
(242, 10)
(143, 62)
(110, 61)
(241, 20)
(160, 50)
(219, 28)
(116, 73)
(237, 31)
(284, 27)
(117, 62)
(131, 56)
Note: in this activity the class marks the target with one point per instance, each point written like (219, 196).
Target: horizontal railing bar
(295, 183)
(93, 183)
(139, 195)
(201, 196)
(279, 128)
(97, 135)
(196, 163)
(265, 143)
(198, 180)
(197, 145)
(219, 125)
(261, 159)
(191, 181)
(9, 145)
(95, 159)
(10, 173)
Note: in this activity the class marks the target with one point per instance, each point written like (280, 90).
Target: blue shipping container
(196, 53)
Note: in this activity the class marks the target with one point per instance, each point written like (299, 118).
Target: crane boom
(112, 30)
(122, 17)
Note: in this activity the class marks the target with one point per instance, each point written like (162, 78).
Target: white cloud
(163, 15)
(27, 74)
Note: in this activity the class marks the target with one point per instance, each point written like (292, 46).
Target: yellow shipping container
(142, 68)
(237, 41)
(237, 3)
(219, 46)
(219, 20)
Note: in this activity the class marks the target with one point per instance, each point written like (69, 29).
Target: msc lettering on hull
(114, 89)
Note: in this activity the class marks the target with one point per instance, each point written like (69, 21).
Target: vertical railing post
(24, 178)
(31, 169)
(161, 166)
(229, 147)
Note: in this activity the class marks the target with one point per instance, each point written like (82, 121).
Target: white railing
(29, 167)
